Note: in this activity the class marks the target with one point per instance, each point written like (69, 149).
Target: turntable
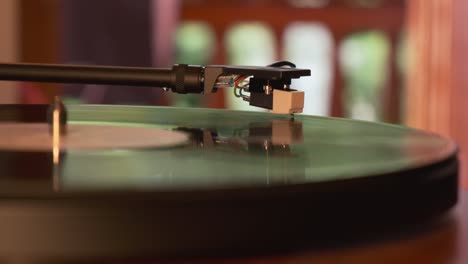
(96, 182)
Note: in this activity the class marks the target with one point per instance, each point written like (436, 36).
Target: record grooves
(246, 182)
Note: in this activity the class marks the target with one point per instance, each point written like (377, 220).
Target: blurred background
(394, 61)
(355, 48)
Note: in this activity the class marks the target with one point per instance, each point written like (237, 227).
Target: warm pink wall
(459, 105)
(437, 94)
(8, 44)
(165, 18)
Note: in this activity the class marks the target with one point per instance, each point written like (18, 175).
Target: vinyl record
(235, 182)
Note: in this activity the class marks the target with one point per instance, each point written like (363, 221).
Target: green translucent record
(232, 149)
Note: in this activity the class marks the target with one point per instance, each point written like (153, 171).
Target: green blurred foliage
(249, 43)
(195, 44)
(364, 63)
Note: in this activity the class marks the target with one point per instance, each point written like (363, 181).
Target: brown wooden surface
(429, 83)
(224, 16)
(458, 105)
(445, 241)
(8, 46)
(437, 77)
(40, 36)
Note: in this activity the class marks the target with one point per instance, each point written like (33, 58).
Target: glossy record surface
(244, 183)
(228, 150)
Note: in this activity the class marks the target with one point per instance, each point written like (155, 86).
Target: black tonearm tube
(258, 85)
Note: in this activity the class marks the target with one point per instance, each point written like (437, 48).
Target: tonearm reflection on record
(273, 137)
(266, 87)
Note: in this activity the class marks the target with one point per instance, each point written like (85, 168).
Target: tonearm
(267, 87)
